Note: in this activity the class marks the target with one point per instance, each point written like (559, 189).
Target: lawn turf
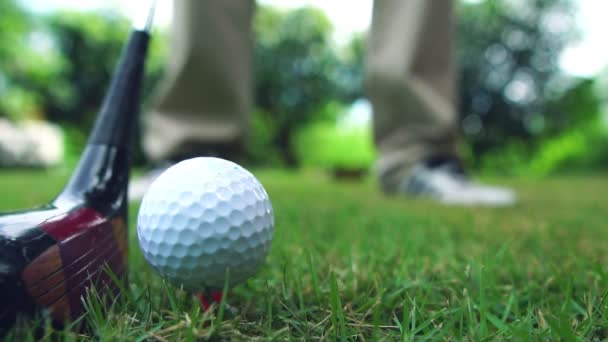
(348, 263)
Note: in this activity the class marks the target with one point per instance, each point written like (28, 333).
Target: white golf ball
(204, 218)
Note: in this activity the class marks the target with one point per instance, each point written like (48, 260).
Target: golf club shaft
(51, 255)
(104, 166)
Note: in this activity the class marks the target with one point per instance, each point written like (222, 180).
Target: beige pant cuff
(166, 135)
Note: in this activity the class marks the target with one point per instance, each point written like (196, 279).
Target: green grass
(348, 263)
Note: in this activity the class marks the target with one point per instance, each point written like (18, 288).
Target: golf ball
(202, 219)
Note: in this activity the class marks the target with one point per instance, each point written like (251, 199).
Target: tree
(349, 77)
(295, 69)
(508, 58)
(14, 22)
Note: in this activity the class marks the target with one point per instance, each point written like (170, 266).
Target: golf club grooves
(65, 300)
(63, 278)
(97, 279)
(81, 236)
(59, 277)
(68, 304)
(48, 269)
(38, 282)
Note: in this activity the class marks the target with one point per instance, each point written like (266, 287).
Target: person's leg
(206, 94)
(410, 82)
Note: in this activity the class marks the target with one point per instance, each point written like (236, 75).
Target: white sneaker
(449, 185)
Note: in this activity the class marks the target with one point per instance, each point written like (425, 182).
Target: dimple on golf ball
(205, 218)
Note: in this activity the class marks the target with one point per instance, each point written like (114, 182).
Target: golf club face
(21, 241)
(50, 265)
(50, 256)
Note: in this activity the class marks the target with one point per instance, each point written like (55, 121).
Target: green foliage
(332, 146)
(92, 43)
(581, 148)
(68, 58)
(350, 263)
(574, 140)
(294, 70)
(57, 67)
(14, 100)
(74, 141)
(512, 159)
(13, 24)
(349, 74)
(18, 103)
(508, 62)
(260, 150)
(510, 79)
(580, 105)
(34, 77)
(64, 67)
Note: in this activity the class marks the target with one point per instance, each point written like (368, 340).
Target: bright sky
(586, 58)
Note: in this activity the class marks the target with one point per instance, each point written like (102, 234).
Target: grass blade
(336, 308)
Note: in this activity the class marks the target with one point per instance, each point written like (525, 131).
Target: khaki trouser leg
(206, 94)
(410, 82)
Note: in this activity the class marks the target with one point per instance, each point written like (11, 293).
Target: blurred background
(533, 73)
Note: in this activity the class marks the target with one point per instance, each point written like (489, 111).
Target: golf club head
(51, 255)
